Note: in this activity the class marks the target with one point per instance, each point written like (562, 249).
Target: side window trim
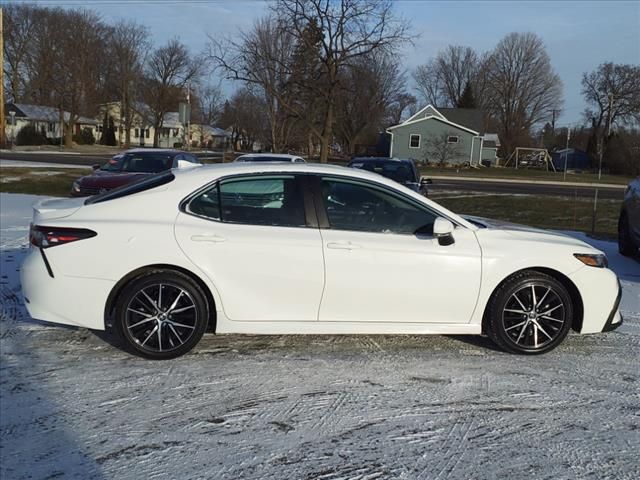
(323, 219)
(311, 220)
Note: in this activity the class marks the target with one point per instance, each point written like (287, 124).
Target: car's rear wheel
(625, 242)
(530, 313)
(162, 314)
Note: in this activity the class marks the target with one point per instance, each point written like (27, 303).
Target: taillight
(45, 237)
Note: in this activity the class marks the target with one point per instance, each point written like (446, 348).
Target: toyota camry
(304, 249)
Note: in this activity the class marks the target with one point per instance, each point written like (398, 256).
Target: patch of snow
(73, 405)
(21, 163)
(44, 174)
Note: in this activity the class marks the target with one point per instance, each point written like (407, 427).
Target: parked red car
(130, 166)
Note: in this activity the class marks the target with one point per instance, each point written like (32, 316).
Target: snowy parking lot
(73, 405)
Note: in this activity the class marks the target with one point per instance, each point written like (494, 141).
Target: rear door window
(261, 200)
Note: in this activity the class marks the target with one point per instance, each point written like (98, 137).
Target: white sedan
(297, 249)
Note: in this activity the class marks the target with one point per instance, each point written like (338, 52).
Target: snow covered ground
(326, 407)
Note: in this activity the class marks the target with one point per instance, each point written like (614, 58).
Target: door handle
(343, 245)
(208, 238)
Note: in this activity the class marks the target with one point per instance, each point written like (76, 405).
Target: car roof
(270, 155)
(172, 151)
(188, 180)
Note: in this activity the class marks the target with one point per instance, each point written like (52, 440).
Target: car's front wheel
(529, 313)
(162, 314)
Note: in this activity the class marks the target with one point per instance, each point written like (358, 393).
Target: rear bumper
(62, 299)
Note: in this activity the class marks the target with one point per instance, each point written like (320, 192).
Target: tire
(517, 326)
(625, 242)
(161, 314)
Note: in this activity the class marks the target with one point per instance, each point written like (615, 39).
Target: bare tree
(244, 115)
(439, 150)
(350, 29)
(521, 87)
(169, 69)
(346, 30)
(371, 85)
(612, 93)
(19, 24)
(207, 103)
(429, 85)
(263, 60)
(399, 104)
(441, 81)
(127, 43)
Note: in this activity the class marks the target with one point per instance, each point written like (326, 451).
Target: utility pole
(595, 198)
(2, 119)
(553, 120)
(189, 118)
(566, 152)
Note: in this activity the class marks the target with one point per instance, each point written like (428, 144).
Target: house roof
(468, 117)
(43, 113)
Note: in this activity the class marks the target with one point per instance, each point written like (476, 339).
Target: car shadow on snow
(35, 439)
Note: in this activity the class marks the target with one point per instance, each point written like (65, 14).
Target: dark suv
(401, 170)
(629, 222)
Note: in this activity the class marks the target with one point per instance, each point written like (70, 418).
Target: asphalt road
(437, 186)
(523, 188)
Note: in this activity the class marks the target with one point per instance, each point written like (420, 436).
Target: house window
(453, 139)
(136, 134)
(146, 133)
(414, 140)
(52, 127)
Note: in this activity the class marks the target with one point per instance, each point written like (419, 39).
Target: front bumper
(600, 291)
(615, 317)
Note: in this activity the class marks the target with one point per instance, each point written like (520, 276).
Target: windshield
(400, 172)
(145, 162)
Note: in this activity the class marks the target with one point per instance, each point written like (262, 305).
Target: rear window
(136, 187)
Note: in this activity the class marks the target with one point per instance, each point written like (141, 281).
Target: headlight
(76, 186)
(593, 260)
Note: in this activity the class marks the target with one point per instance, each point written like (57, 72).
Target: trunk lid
(55, 208)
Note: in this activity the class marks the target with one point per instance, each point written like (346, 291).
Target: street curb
(536, 182)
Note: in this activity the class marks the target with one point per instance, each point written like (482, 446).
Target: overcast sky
(578, 35)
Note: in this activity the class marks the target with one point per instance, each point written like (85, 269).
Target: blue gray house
(453, 136)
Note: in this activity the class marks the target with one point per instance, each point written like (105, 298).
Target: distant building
(45, 119)
(171, 133)
(141, 130)
(210, 137)
(461, 128)
(575, 159)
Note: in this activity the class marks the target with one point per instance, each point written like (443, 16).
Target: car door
(250, 236)
(378, 270)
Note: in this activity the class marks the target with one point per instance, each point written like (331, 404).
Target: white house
(171, 132)
(45, 119)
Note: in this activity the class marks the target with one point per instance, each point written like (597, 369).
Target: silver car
(629, 223)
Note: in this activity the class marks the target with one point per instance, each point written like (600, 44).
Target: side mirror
(443, 231)
(95, 166)
(425, 181)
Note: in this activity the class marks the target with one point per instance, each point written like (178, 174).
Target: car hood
(525, 233)
(102, 179)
